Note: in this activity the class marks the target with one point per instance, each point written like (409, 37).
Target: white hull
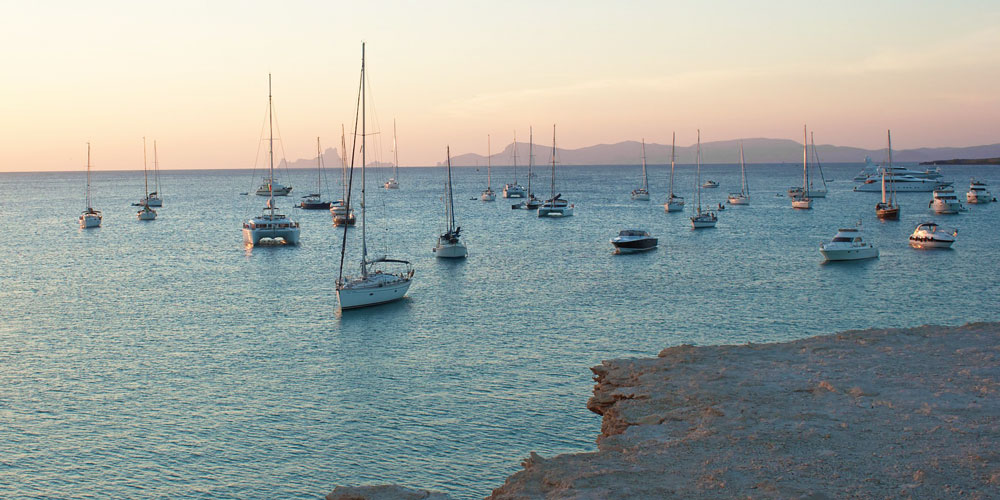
(702, 224)
(488, 196)
(917, 186)
(978, 198)
(262, 191)
(802, 204)
(146, 215)
(89, 221)
(930, 244)
(640, 196)
(673, 206)
(849, 253)
(513, 192)
(253, 236)
(944, 208)
(555, 212)
(354, 298)
(391, 184)
(152, 201)
(739, 200)
(450, 250)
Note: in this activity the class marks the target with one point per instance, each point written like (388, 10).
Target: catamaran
(513, 189)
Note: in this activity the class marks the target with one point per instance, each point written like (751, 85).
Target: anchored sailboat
(555, 206)
(674, 203)
(701, 219)
(90, 217)
(642, 193)
(801, 199)
(887, 209)
(449, 246)
(153, 199)
(488, 194)
(531, 203)
(743, 197)
(513, 189)
(145, 213)
(314, 201)
(393, 183)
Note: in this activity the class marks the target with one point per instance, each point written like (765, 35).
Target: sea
(165, 359)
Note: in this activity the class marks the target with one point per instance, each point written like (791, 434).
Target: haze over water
(164, 359)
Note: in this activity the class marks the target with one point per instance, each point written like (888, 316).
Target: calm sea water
(163, 359)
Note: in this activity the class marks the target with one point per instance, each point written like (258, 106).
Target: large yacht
(848, 244)
(945, 202)
(901, 184)
(978, 194)
(931, 235)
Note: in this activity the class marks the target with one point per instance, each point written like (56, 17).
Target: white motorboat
(931, 235)
(555, 206)
(945, 202)
(978, 194)
(392, 183)
(530, 203)
(270, 226)
(375, 284)
(153, 199)
(701, 220)
(90, 217)
(848, 244)
(674, 203)
(513, 189)
(633, 240)
(145, 213)
(449, 245)
(270, 187)
(887, 209)
(488, 193)
(743, 197)
(800, 198)
(642, 192)
(710, 184)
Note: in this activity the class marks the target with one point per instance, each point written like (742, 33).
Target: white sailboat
(701, 219)
(488, 194)
(373, 285)
(642, 193)
(513, 189)
(743, 197)
(801, 199)
(531, 203)
(674, 203)
(90, 217)
(555, 206)
(449, 246)
(153, 199)
(314, 201)
(270, 226)
(145, 213)
(342, 214)
(393, 183)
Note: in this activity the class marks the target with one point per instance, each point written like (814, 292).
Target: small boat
(978, 194)
(642, 192)
(392, 183)
(931, 235)
(945, 202)
(701, 220)
(269, 187)
(887, 209)
(341, 213)
(145, 213)
(270, 226)
(531, 203)
(800, 198)
(710, 184)
(488, 193)
(555, 206)
(674, 203)
(513, 189)
(633, 240)
(374, 285)
(314, 201)
(848, 244)
(153, 199)
(90, 217)
(743, 197)
(449, 246)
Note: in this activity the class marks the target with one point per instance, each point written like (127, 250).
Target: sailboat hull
(88, 221)
(738, 200)
(445, 250)
(289, 236)
(367, 296)
(673, 206)
(640, 195)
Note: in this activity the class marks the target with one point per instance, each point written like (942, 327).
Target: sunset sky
(193, 75)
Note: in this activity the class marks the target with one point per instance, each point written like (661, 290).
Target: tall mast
(645, 183)
(319, 169)
(350, 178)
(812, 140)
(697, 180)
(395, 155)
(744, 189)
(892, 186)
(364, 243)
(270, 146)
(156, 171)
(553, 178)
(343, 163)
(531, 157)
(805, 160)
(88, 178)
(673, 145)
(451, 201)
(515, 158)
(489, 161)
(145, 175)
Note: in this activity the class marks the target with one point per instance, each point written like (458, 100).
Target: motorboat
(743, 197)
(701, 220)
(449, 245)
(377, 283)
(271, 226)
(931, 235)
(945, 202)
(555, 206)
(710, 184)
(901, 184)
(848, 244)
(633, 240)
(90, 218)
(641, 193)
(342, 215)
(978, 194)
(270, 187)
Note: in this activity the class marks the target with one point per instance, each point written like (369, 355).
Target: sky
(193, 75)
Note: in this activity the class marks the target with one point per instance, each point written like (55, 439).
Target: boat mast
(819, 165)
(364, 243)
(892, 186)
(156, 172)
(697, 180)
(553, 178)
(145, 175)
(515, 158)
(270, 147)
(673, 144)
(645, 182)
(744, 189)
(350, 178)
(531, 158)
(319, 170)
(805, 159)
(489, 162)
(395, 155)
(343, 164)
(89, 209)
(451, 201)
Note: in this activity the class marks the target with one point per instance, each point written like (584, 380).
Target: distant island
(964, 161)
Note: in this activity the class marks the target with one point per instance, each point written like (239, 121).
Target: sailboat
(642, 193)
(743, 197)
(701, 219)
(90, 217)
(270, 225)
(488, 194)
(373, 285)
(145, 213)
(555, 206)
(449, 246)
(531, 203)
(814, 192)
(153, 199)
(674, 203)
(887, 209)
(314, 201)
(342, 214)
(801, 199)
(392, 183)
(513, 189)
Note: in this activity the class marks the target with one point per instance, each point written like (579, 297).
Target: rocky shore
(873, 413)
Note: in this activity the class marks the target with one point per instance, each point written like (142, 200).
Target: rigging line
(350, 177)
(281, 143)
(256, 157)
